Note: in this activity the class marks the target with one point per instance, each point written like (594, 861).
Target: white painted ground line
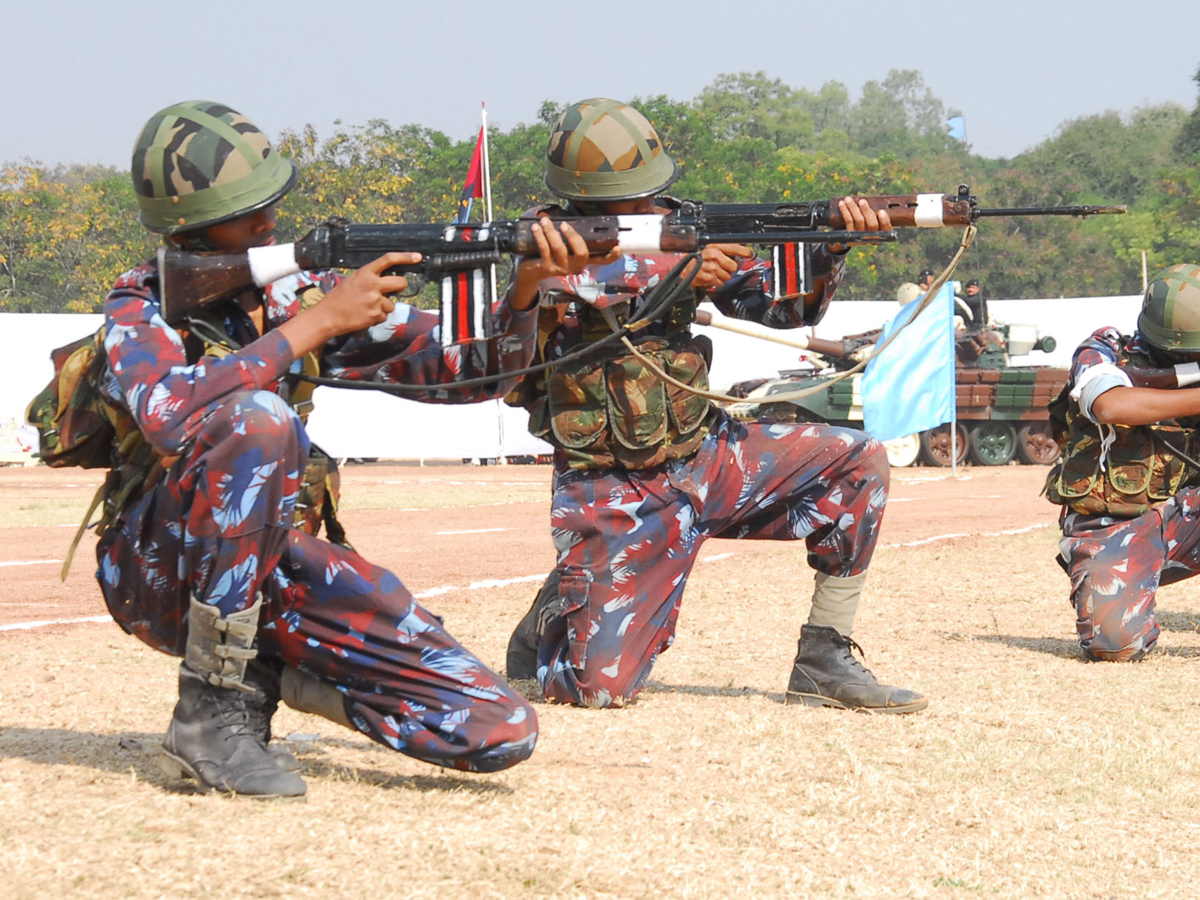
(947, 537)
(26, 626)
(489, 583)
(478, 585)
(31, 562)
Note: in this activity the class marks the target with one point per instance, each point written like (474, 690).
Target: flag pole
(487, 209)
(953, 395)
(487, 170)
(487, 189)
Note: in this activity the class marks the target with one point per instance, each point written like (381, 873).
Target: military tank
(1001, 408)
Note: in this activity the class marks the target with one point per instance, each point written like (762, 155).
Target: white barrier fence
(370, 424)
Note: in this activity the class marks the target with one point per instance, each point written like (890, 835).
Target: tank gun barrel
(822, 346)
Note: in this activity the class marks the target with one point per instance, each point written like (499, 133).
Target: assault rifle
(460, 257)
(455, 256)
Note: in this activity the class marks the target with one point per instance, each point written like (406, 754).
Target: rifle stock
(191, 281)
(1182, 375)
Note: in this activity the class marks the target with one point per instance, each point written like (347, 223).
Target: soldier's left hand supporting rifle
(190, 281)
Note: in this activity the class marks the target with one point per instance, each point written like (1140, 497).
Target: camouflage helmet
(603, 150)
(1170, 317)
(199, 163)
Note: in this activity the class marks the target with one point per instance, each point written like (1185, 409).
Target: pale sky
(78, 78)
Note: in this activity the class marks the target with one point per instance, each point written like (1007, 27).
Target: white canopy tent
(370, 424)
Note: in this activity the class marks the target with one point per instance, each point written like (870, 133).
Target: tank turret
(1001, 408)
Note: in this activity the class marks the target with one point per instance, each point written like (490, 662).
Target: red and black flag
(468, 296)
(474, 184)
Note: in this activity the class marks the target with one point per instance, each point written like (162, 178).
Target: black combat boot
(523, 645)
(213, 736)
(261, 704)
(211, 740)
(827, 674)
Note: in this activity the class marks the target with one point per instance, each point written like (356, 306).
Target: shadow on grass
(1067, 649)
(121, 752)
(710, 690)
(1173, 621)
(532, 691)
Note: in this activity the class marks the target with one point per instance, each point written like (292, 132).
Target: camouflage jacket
(1114, 470)
(611, 410)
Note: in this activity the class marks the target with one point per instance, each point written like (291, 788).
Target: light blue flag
(910, 386)
(956, 127)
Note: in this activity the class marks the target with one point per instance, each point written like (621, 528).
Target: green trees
(66, 233)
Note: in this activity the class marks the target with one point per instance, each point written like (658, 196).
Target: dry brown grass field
(1032, 773)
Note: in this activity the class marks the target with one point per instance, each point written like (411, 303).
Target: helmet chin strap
(587, 209)
(194, 242)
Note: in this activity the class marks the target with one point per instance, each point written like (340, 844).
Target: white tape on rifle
(640, 234)
(1187, 373)
(268, 264)
(929, 210)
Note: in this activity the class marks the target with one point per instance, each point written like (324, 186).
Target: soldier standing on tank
(645, 472)
(1130, 500)
(976, 304)
(205, 559)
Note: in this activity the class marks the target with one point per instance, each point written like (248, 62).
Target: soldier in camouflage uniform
(976, 303)
(646, 470)
(200, 557)
(1130, 500)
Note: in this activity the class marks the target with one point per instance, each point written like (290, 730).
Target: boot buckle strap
(244, 631)
(228, 651)
(220, 681)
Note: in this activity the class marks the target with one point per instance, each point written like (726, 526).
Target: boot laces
(235, 714)
(851, 646)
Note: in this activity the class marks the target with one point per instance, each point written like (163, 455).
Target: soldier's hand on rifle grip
(859, 216)
(719, 262)
(359, 302)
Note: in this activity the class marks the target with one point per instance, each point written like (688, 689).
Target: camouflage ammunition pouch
(76, 426)
(617, 413)
(317, 502)
(1137, 472)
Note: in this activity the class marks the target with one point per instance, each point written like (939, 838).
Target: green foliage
(1106, 158)
(66, 233)
(64, 237)
(1187, 143)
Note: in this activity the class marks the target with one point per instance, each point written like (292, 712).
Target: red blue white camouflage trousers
(219, 527)
(627, 540)
(1116, 567)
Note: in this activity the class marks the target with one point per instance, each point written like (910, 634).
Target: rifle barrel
(1083, 211)
(801, 237)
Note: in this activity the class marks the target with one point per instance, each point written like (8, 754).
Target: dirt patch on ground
(1032, 773)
